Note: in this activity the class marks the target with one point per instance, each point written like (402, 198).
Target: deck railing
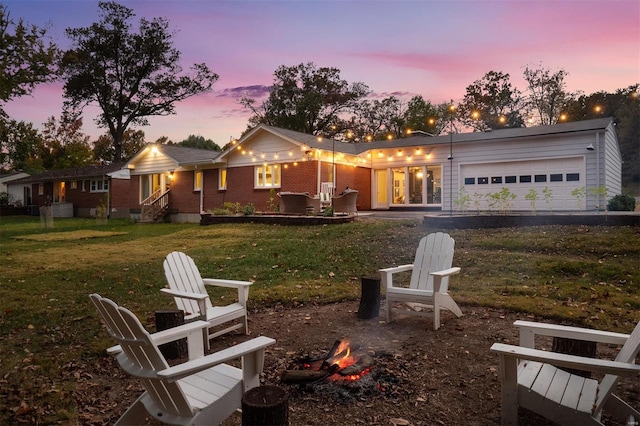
(153, 205)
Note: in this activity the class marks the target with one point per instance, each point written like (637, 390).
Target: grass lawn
(587, 276)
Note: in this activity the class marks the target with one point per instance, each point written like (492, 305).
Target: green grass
(584, 275)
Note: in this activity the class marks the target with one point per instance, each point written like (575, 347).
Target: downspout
(201, 192)
(598, 168)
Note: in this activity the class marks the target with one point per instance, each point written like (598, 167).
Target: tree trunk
(369, 297)
(265, 405)
(168, 319)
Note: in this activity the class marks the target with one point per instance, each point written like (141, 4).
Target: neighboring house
(19, 195)
(565, 167)
(78, 192)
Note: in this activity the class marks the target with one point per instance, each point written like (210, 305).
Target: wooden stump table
(265, 405)
(369, 297)
(168, 319)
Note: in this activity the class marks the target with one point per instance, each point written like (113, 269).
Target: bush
(622, 203)
(249, 209)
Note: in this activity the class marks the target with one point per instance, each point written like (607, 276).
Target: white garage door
(552, 180)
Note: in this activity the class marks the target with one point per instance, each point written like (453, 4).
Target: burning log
(332, 352)
(307, 376)
(364, 362)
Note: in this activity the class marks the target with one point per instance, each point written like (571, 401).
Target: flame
(343, 356)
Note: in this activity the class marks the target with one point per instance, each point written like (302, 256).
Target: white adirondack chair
(326, 193)
(203, 390)
(428, 288)
(531, 378)
(190, 295)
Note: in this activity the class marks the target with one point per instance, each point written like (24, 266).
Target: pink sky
(429, 48)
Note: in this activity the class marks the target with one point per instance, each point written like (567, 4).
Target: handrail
(153, 204)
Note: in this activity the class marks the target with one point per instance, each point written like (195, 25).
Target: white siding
(265, 148)
(153, 163)
(612, 165)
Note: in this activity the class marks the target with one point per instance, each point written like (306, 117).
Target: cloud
(256, 91)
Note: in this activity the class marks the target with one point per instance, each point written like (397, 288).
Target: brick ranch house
(78, 192)
(568, 167)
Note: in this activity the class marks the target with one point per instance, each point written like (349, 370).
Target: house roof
(520, 132)
(298, 138)
(182, 155)
(327, 144)
(11, 176)
(71, 174)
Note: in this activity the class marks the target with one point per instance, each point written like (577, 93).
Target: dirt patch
(68, 236)
(422, 376)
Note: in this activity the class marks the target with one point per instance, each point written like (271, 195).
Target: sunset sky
(402, 48)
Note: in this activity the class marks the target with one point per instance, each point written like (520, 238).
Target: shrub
(622, 203)
(328, 212)
(249, 209)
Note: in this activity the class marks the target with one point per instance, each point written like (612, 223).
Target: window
(556, 177)
(222, 179)
(469, 181)
(509, 179)
(73, 184)
(41, 189)
(573, 177)
(197, 180)
(540, 178)
(496, 179)
(525, 178)
(101, 185)
(483, 180)
(268, 176)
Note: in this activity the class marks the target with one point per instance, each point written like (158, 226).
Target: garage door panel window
(573, 177)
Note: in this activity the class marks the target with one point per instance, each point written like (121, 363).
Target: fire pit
(341, 362)
(344, 367)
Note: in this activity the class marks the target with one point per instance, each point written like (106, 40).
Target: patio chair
(532, 379)
(203, 390)
(326, 193)
(188, 289)
(297, 203)
(345, 202)
(427, 293)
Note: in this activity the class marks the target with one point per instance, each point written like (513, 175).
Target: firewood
(364, 362)
(307, 376)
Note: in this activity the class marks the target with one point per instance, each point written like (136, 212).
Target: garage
(553, 181)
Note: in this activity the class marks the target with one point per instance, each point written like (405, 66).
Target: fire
(343, 356)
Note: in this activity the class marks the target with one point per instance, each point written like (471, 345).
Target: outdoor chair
(298, 203)
(345, 202)
(533, 378)
(427, 293)
(188, 289)
(203, 390)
